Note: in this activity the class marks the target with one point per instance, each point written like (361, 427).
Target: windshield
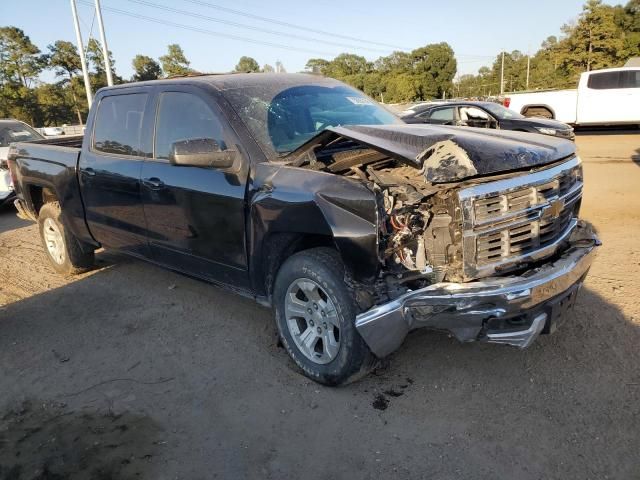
(17, 132)
(284, 119)
(501, 112)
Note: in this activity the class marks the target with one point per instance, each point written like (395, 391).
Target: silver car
(11, 131)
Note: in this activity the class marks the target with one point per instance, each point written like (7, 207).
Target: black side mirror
(202, 152)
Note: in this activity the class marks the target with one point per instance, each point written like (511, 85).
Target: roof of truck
(234, 80)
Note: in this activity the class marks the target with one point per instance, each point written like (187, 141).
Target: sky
(218, 36)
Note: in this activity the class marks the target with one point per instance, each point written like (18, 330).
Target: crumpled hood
(450, 154)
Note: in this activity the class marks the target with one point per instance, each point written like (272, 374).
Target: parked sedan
(484, 115)
(11, 131)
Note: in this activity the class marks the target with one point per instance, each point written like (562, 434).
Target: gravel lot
(131, 371)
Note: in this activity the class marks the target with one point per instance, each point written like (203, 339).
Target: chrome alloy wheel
(54, 240)
(312, 321)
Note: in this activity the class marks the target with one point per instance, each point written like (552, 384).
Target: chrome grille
(512, 221)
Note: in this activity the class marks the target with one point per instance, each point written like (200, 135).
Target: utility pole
(83, 61)
(502, 75)
(528, 65)
(105, 49)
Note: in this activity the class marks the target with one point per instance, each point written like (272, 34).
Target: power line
(206, 31)
(290, 25)
(250, 27)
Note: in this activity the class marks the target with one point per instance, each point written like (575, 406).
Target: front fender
(294, 200)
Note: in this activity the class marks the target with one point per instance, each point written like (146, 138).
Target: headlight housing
(546, 130)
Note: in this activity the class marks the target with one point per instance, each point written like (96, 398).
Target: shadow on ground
(9, 219)
(45, 441)
(152, 348)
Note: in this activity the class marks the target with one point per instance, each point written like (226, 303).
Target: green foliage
(602, 36)
(174, 63)
(20, 60)
(593, 42)
(425, 73)
(64, 58)
(145, 68)
(247, 64)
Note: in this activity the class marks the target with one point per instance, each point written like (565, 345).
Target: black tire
(74, 257)
(323, 267)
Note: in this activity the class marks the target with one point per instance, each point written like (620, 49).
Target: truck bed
(49, 167)
(73, 141)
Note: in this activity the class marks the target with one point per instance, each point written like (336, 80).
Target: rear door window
(118, 124)
(631, 79)
(604, 81)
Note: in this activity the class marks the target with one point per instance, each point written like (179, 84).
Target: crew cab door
(109, 169)
(195, 214)
(609, 97)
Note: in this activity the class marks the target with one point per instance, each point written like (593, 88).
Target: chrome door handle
(153, 183)
(89, 171)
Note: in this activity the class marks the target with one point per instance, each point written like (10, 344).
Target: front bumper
(511, 310)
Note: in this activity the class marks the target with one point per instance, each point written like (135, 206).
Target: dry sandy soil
(135, 372)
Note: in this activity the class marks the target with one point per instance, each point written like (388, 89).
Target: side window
(118, 124)
(442, 115)
(604, 81)
(631, 79)
(183, 116)
(473, 113)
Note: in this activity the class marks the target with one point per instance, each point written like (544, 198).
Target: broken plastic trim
(463, 308)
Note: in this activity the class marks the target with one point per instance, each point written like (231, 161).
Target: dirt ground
(131, 371)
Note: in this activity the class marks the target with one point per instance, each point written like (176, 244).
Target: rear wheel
(64, 250)
(315, 315)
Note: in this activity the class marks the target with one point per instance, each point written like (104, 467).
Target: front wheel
(64, 250)
(315, 315)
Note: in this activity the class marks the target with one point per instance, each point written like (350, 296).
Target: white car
(603, 97)
(11, 131)
(52, 131)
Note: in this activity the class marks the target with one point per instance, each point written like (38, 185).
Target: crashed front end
(511, 309)
(478, 234)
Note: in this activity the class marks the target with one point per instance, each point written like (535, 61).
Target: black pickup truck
(308, 196)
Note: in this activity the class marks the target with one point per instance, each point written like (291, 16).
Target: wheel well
(526, 109)
(41, 195)
(280, 246)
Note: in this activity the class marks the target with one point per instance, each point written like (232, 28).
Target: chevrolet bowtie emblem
(554, 208)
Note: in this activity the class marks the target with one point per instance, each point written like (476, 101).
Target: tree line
(602, 36)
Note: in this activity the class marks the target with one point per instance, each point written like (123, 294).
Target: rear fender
(62, 183)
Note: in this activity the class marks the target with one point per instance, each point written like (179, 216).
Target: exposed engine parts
(422, 235)
(420, 240)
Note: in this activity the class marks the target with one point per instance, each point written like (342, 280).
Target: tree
(20, 60)
(593, 42)
(434, 67)
(347, 64)
(174, 63)
(247, 64)
(268, 68)
(396, 62)
(627, 19)
(95, 58)
(64, 59)
(317, 65)
(145, 68)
